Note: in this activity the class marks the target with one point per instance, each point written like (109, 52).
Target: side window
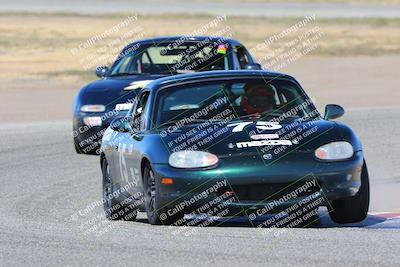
(146, 63)
(125, 64)
(145, 59)
(140, 114)
(132, 109)
(242, 56)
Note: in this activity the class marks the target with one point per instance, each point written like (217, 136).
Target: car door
(127, 158)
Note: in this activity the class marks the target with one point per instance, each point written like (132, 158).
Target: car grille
(275, 191)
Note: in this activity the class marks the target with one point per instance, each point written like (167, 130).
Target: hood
(256, 137)
(110, 91)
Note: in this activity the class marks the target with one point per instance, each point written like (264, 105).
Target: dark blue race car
(99, 102)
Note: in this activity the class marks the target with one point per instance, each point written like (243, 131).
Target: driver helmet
(257, 98)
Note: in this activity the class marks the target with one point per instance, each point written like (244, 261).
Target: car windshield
(171, 58)
(232, 100)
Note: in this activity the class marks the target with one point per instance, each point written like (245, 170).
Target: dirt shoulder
(362, 81)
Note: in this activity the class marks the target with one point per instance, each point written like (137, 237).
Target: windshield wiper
(171, 72)
(167, 123)
(275, 114)
(126, 74)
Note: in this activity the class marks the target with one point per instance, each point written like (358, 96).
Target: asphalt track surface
(44, 185)
(155, 7)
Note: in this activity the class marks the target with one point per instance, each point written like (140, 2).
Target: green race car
(232, 143)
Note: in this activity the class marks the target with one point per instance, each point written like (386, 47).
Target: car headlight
(335, 151)
(93, 108)
(192, 159)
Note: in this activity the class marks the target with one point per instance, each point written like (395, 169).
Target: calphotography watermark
(104, 48)
(91, 218)
(298, 40)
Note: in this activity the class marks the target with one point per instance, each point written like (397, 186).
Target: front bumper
(87, 139)
(246, 186)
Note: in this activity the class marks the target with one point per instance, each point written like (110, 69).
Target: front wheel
(156, 214)
(353, 209)
(113, 209)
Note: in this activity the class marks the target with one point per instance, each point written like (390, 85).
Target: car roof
(184, 38)
(206, 75)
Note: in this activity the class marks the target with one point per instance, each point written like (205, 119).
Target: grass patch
(83, 75)
(42, 43)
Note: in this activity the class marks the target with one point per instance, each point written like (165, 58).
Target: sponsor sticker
(123, 106)
(264, 136)
(264, 143)
(221, 49)
(92, 121)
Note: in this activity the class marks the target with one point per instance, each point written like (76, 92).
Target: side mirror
(101, 71)
(122, 125)
(333, 111)
(253, 66)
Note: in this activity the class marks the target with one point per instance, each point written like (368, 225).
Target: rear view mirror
(101, 71)
(333, 111)
(172, 52)
(122, 125)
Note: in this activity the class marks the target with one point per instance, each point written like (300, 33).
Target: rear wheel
(353, 209)
(156, 214)
(113, 209)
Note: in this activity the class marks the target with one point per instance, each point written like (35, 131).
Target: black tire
(353, 209)
(77, 150)
(113, 209)
(156, 214)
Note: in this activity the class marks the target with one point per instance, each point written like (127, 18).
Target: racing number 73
(260, 125)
